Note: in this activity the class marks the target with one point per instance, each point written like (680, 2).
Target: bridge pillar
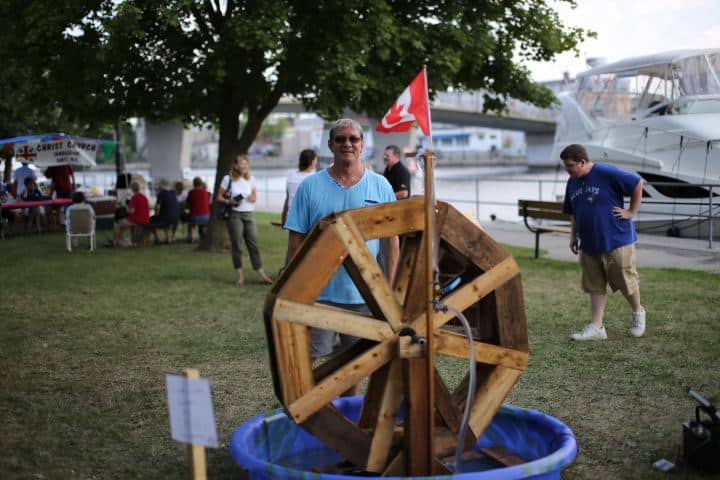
(168, 150)
(539, 149)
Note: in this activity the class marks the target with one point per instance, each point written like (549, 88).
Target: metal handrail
(709, 210)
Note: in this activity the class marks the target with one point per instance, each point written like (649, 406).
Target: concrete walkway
(653, 251)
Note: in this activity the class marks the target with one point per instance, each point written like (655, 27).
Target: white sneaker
(590, 332)
(637, 327)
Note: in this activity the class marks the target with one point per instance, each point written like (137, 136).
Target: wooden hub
(488, 290)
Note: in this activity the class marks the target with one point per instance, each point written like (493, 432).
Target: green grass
(86, 340)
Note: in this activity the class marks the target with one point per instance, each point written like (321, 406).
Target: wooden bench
(141, 233)
(201, 227)
(538, 210)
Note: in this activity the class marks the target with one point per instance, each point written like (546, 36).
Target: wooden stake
(419, 373)
(430, 308)
(196, 453)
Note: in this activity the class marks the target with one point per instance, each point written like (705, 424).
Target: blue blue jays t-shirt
(318, 196)
(591, 199)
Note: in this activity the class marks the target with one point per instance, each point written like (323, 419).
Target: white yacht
(658, 115)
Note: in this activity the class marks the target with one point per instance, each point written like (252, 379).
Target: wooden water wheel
(489, 294)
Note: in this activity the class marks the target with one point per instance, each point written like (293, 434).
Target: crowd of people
(172, 206)
(237, 196)
(602, 231)
(24, 187)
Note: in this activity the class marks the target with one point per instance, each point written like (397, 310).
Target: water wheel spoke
(406, 265)
(366, 273)
(332, 318)
(332, 428)
(512, 326)
(292, 355)
(389, 219)
(489, 397)
(416, 302)
(396, 467)
(469, 240)
(342, 379)
(493, 294)
(373, 397)
(384, 427)
(455, 345)
(328, 251)
(446, 406)
(474, 291)
(339, 358)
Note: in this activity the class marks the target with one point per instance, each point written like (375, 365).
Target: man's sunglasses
(340, 139)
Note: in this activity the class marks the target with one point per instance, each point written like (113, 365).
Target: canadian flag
(411, 106)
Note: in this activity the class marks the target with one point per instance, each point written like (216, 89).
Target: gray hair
(345, 123)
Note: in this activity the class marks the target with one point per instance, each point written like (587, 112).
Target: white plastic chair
(80, 222)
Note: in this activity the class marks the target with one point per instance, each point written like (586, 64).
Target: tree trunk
(119, 160)
(230, 144)
(217, 238)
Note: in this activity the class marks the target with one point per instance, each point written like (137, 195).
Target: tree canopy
(208, 61)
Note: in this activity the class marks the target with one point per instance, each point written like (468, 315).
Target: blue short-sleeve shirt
(591, 199)
(320, 195)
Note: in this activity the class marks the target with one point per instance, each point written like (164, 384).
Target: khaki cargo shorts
(617, 268)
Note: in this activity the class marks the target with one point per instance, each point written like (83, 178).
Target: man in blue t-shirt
(345, 184)
(604, 234)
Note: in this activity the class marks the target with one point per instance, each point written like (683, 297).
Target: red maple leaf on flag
(411, 106)
(394, 114)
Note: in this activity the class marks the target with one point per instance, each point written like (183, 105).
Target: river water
(479, 191)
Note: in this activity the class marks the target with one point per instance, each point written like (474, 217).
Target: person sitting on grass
(138, 214)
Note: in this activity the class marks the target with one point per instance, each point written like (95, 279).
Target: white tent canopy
(55, 149)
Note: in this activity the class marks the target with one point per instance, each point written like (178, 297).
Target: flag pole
(429, 114)
(431, 271)
(419, 372)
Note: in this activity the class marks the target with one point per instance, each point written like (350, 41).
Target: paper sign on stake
(191, 412)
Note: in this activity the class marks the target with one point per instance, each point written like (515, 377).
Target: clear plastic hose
(471, 383)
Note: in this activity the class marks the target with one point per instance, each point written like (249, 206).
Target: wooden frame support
(491, 290)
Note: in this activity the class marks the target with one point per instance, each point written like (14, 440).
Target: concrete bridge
(168, 145)
(466, 109)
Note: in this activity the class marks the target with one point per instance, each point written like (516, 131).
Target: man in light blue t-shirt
(344, 185)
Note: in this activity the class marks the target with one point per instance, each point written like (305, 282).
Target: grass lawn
(87, 338)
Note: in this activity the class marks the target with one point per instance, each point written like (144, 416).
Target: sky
(629, 28)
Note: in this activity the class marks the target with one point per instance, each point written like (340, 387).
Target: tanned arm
(294, 243)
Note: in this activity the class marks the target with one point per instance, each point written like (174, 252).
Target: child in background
(33, 215)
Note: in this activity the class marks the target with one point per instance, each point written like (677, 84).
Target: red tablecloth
(57, 202)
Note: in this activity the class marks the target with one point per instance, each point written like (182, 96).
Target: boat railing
(668, 213)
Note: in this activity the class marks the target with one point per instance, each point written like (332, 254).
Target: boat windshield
(688, 85)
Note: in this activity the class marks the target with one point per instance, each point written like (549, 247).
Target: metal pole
(119, 163)
(710, 218)
(267, 190)
(477, 199)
